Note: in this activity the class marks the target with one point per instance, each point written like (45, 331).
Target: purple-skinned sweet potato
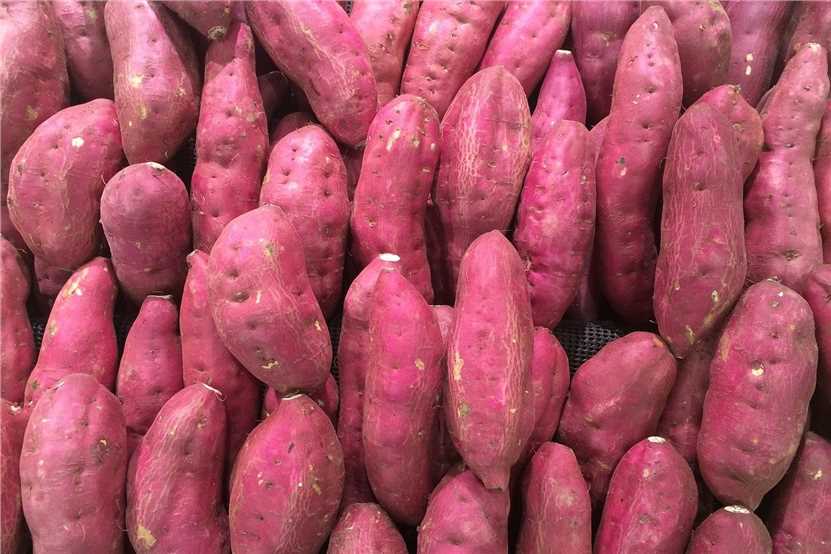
(317, 47)
(263, 305)
(756, 407)
(17, 342)
(73, 469)
(79, 336)
(307, 179)
(274, 88)
(88, 56)
(556, 506)
(231, 137)
(444, 452)
(365, 528)
(817, 292)
(652, 501)
(12, 524)
(562, 96)
(540, 26)
(157, 80)
(648, 91)
(616, 399)
(555, 220)
(385, 27)
(390, 202)
(327, 397)
(488, 405)
(284, 499)
(550, 379)
(810, 22)
(448, 42)
(728, 530)
(145, 212)
(57, 178)
(780, 206)
(288, 123)
(822, 178)
(212, 18)
(50, 280)
(175, 483)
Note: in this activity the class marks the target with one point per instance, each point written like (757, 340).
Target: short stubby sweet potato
(145, 212)
(647, 91)
(327, 397)
(157, 80)
(288, 123)
(550, 379)
(12, 524)
(540, 26)
(390, 202)
(780, 205)
(652, 501)
(212, 18)
(306, 178)
(287, 482)
(616, 399)
(317, 47)
(448, 42)
(731, 529)
(174, 487)
(79, 336)
(485, 151)
(562, 96)
(73, 468)
(262, 302)
(810, 22)
(385, 26)
(489, 353)
(231, 137)
(88, 56)
(365, 528)
(761, 381)
(57, 178)
(17, 342)
(822, 177)
(555, 220)
(817, 291)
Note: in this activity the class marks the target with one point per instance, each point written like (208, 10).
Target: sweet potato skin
(88, 56)
(77, 427)
(562, 96)
(616, 399)
(761, 381)
(550, 379)
(811, 23)
(822, 176)
(49, 280)
(390, 201)
(274, 87)
(327, 397)
(288, 123)
(17, 342)
(731, 529)
(145, 212)
(212, 18)
(444, 452)
(307, 179)
(817, 291)
(285, 517)
(365, 528)
(12, 524)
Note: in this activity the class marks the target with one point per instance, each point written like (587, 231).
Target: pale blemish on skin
(817, 475)
(419, 364)
(31, 113)
(135, 80)
(757, 369)
(156, 166)
(143, 112)
(690, 334)
(393, 138)
(458, 363)
(749, 59)
(77, 142)
(318, 326)
(258, 297)
(714, 296)
(271, 364)
(145, 537)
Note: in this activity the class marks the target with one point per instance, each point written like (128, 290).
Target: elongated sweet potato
(337, 79)
(761, 381)
(145, 213)
(616, 399)
(647, 91)
(327, 397)
(817, 291)
(73, 468)
(731, 529)
(448, 42)
(231, 137)
(822, 176)
(489, 357)
(17, 343)
(390, 202)
(79, 336)
(174, 488)
(212, 18)
(288, 123)
(549, 386)
(284, 500)
(88, 56)
(307, 179)
(540, 26)
(555, 220)
(12, 524)
(365, 528)
(57, 178)
(811, 22)
(444, 452)
(562, 96)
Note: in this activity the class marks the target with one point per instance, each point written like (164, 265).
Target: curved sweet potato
(12, 524)
(444, 452)
(731, 529)
(365, 528)
(562, 96)
(88, 57)
(817, 292)
(212, 18)
(822, 176)
(550, 379)
(17, 343)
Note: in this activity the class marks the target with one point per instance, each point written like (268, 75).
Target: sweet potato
(822, 176)
(212, 18)
(485, 151)
(556, 506)
(549, 386)
(562, 96)
(463, 517)
(17, 343)
(174, 488)
(798, 512)
(157, 80)
(353, 158)
(555, 220)
(327, 398)
(647, 91)
(597, 30)
(540, 26)
(50, 279)
(365, 528)
(73, 468)
(651, 503)
(404, 378)
(761, 381)
(390, 200)
(79, 336)
(489, 355)
(385, 27)
(145, 213)
(444, 453)
(780, 206)
(284, 500)
(262, 302)
(57, 178)
(317, 47)
(731, 529)
(88, 56)
(12, 524)
(817, 292)
(616, 399)
(288, 123)
(307, 179)
(274, 86)
(448, 42)
(811, 22)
